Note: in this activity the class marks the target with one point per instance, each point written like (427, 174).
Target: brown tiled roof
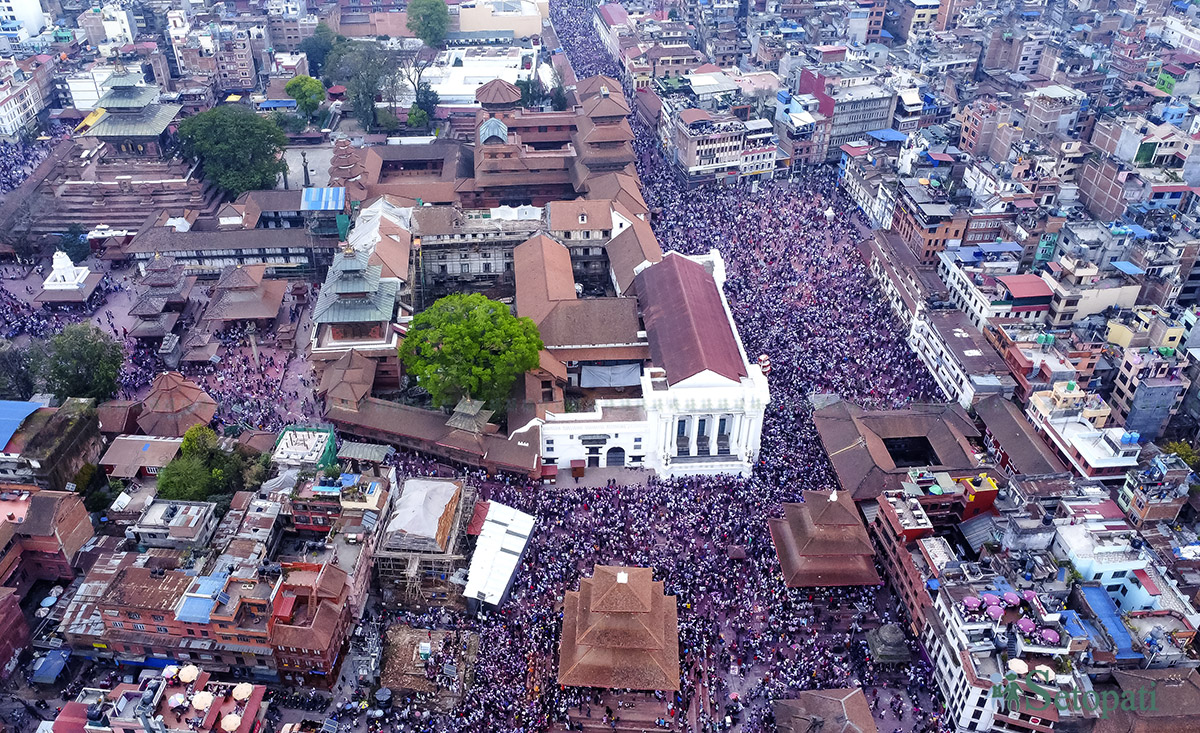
(564, 215)
(519, 452)
(606, 105)
(1029, 455)
(129, 453)
(591, 322)
(827, 711)
(590, 87)
(853, 439)
(629, 249)
(349, 378)
(498, 91)
(543, 275)
(1176, 708)
(685, 321)
(619, 187)
(41, 517)
(258, 302)
(136, 587)
(174, 404)
(118, 416)
(620, 631)
(822, 542)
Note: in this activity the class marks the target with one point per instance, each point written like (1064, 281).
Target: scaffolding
(415, 577)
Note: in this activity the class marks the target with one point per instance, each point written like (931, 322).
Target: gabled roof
(826, 711)
(1008, 426)
(579, 214)
(544, 276)
(686, 323)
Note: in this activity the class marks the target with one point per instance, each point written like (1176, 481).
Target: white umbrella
(57, 590)
(188, 674)
(242, 691)
(231, 722)
(1018, 665)
(202, 700)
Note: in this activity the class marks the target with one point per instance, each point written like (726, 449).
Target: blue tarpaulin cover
(47, 669)
(12, 414)
(1110, 618)
(888, 135)
(1128, 267)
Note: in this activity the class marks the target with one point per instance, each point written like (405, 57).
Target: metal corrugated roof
(151, 121)
(323, 199)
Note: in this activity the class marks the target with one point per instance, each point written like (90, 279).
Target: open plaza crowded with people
(801, 294)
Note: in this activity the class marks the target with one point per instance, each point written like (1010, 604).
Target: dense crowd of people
(19, 159)
(800, 294)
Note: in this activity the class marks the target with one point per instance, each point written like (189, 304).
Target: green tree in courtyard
(186, 478)
(239, 150)
(81, 361)
(368, 71)
(308, 93)
(74, 243)
(469, 345)
(199, 441)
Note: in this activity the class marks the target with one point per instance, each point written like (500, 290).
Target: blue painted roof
(1128, 268)
(888, 135)
(1110, 618)
(12, 414)
(323, 199)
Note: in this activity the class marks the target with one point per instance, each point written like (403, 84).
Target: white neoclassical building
(694, 407)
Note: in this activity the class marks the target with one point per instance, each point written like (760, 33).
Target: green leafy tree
(367, 71)
(387, 120)
(417, 118)
(186, 478)
(81, 361)
(558, 95)
(427, 99)
(16, 372)
(308, 93)
(74, 243)
(240, 151)
(429, 20)
(469, 345)
(200, 441)
(533, 92)
(317, 47)
(1185, 452)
